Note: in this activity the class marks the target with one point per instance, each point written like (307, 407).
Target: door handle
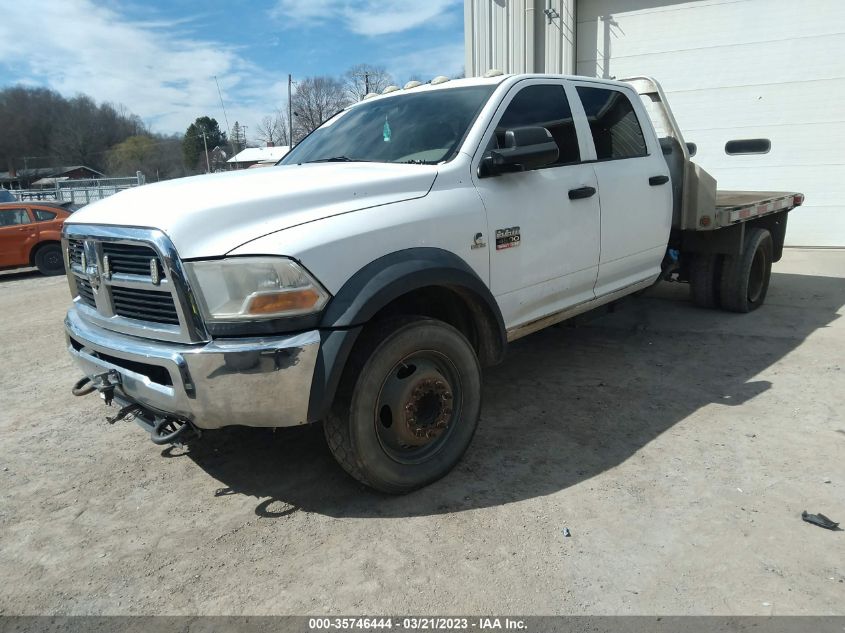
(658, 180)
(582, 192)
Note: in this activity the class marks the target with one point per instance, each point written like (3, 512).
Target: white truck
(397, 250)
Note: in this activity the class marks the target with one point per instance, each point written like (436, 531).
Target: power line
(220, 94)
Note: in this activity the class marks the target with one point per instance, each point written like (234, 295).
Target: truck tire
(745, 277)
(48, 260)
(408, 406)
(705, 277)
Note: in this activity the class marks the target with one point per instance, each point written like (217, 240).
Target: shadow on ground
(18, 274)
(566, 405)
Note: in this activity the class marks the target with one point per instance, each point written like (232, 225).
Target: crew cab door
(634, 185)
(543, 224)
(17, 235)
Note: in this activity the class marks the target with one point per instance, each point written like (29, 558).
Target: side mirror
(525, 148)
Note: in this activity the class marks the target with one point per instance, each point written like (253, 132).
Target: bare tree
(363, 78)
(315, 100)
(43, 129)
(273, 129)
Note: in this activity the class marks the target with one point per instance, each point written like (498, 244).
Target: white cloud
(160, 74)
(427, 63)
(364, 17)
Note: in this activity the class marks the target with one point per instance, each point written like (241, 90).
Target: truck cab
(366, 280)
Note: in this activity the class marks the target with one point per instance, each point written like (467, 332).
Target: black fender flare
(375, 286)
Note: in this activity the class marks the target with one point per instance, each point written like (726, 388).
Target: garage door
(741, 69)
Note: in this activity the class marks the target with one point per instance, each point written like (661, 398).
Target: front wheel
(409, 406)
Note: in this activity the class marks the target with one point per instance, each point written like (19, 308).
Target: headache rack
(697, 205)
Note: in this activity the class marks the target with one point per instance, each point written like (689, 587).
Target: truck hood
(208, 216)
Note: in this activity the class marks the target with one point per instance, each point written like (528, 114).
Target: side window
(613, 123)
(11, 217)
(43, 216)
(546, 106)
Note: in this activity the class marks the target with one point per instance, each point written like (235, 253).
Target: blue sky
(159, 57)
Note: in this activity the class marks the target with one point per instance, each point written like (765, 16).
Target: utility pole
(290, 113)
(207, 162)
(366, 83)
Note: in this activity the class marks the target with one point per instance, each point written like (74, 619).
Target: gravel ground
(679, 446)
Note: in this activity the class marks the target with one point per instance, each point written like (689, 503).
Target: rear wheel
(48, 260)
(705, 278)
(408, 407)
(745, 278)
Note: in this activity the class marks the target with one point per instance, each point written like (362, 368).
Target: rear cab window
(614, 125)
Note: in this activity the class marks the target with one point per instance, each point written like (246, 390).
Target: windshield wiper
(337, 159)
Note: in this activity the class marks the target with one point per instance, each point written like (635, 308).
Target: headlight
(250, 288)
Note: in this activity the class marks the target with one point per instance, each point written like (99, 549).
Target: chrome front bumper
(254, 382)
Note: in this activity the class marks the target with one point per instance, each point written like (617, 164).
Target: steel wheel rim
(418, 406)
(756, 276)
(53, 259)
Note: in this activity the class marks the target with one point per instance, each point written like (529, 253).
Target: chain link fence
(80, 192)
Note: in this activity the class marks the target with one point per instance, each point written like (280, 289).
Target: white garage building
(732, 69)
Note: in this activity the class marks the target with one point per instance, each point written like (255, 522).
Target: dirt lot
(678, 445)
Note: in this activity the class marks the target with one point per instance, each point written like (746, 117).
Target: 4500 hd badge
(507, 238)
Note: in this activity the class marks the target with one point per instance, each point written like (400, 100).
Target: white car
(394, 252)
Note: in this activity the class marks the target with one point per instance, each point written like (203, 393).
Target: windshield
(424, 127)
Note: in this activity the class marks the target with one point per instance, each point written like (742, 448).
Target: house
(46, 176)
(258, 157)
(213, 161)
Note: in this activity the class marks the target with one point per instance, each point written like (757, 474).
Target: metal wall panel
(556, 36)
(518, 36)
(496, 35)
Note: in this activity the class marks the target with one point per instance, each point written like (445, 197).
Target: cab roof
(494, 80)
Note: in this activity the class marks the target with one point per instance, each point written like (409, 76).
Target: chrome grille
(86, 293)
(74, 251)
(131, 280)
(146, 305)
(132, 259)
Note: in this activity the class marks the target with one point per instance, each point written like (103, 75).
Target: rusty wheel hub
(416, 406)
(429, 409)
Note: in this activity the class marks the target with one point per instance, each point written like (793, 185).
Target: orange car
(30, 235)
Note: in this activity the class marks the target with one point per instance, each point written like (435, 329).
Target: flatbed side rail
(735, 213)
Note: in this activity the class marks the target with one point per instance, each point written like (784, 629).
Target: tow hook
(79, 388)
(162, 429)
(104, 383)
(172, 431)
